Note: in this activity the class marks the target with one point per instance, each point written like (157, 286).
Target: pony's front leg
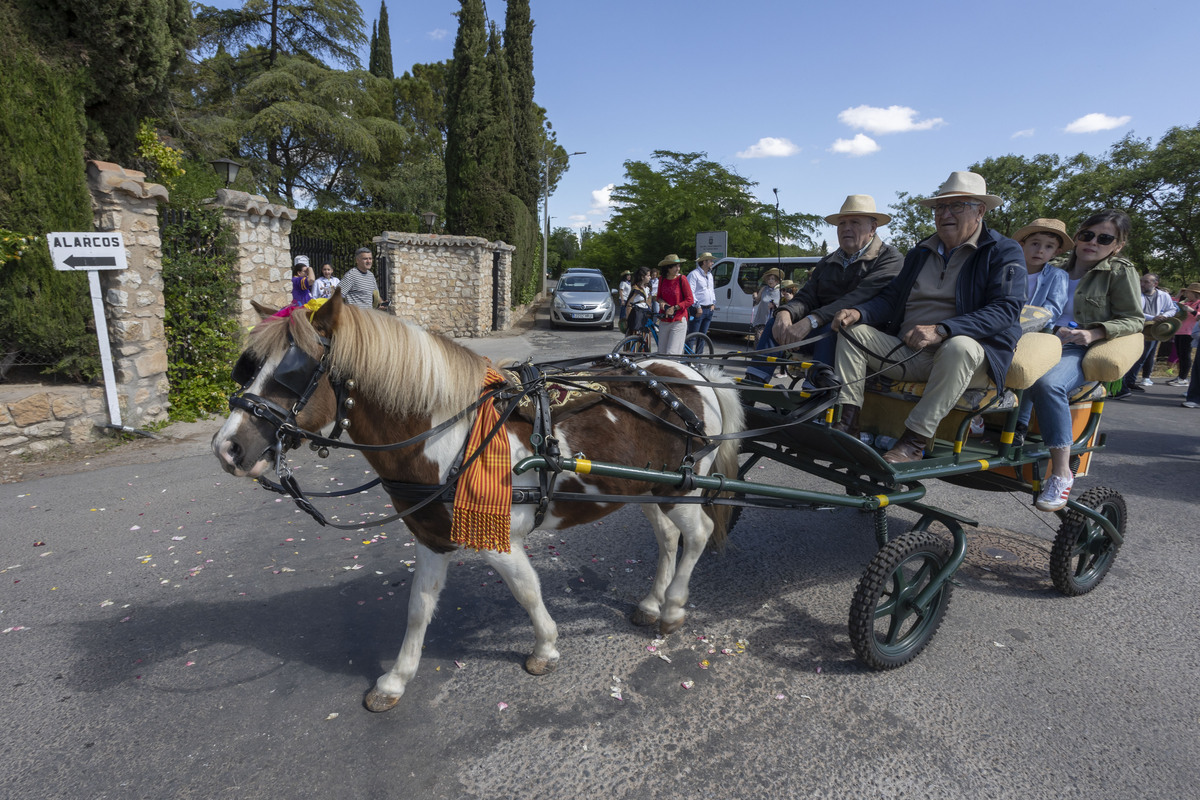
(523, 582)
(428, 580)
(650, 608)
(697, 527)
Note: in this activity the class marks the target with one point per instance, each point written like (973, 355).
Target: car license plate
(585, 316)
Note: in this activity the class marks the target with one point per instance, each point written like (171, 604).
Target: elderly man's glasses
(953, 208)
(1101, 238)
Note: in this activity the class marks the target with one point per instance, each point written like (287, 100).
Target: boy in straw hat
(952, 316)
(1043, 240)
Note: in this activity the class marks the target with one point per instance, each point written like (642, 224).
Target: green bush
(352, 228)
(200, 291)
(527, 258)
(44, 313)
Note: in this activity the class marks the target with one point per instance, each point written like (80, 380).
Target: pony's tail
(733, 420)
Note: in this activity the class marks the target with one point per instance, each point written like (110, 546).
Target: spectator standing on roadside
(674, 298)
(302, 281)
(701, 281)
(1157, 306)
(358, 284)
(654, 278)
(1189, 305)
(623, 290)
(766, 300)
(326, 283)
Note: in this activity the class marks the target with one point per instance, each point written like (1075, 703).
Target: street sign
(87, 251)
(715, 242)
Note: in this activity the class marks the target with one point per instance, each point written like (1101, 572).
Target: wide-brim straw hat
(778, 273)
(1192, 287)
(788, 285)
(670, 261)
(1161, 330)
(859, 205)
(705, 257)
(1054, 227)
(963, 185)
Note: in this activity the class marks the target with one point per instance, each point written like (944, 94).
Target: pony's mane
(400, 367)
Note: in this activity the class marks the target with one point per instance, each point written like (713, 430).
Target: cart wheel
(886, 631)
(1083, 552)
(631, 345)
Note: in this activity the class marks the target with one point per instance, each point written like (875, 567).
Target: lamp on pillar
(226, 170)
(429, 218)
(546, 210)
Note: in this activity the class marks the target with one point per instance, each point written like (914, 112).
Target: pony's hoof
(539, 666)
(378, 701)
(666, 628)
(643, 619)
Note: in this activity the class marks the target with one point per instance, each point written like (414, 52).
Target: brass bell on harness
(345, 423)
(323, 452)
(349, 402)
(350, 384)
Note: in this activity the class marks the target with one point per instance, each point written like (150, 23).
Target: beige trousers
(948, 370)
(671, 336)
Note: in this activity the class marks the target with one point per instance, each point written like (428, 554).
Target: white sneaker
(1190, 404)
(1177, 382)
(1147, 382)
(1055, 492)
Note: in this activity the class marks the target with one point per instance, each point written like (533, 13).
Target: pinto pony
(403, 381)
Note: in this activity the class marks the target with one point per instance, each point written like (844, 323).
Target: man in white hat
(853, 274)
(952, 316)
(704, 293)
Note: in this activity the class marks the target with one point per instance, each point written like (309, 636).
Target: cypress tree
(518, 52)
(373, 57)
(472, 197)
(383, 63)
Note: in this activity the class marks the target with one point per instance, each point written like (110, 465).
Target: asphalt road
(170, 631)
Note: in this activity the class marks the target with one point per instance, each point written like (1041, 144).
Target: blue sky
(821, 100)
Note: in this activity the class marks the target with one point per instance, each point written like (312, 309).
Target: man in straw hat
(703, 292)
(1159, 310)
(952, 316)
(853, 274)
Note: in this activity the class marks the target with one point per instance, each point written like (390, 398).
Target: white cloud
(602, 199)
(437, 34)
(860, 145)
(770, 147)
(893, 119)
(1091, 123)
(1023, 134)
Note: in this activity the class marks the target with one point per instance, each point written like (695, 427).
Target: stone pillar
(444, 283)
(261, 232)
(123, 201)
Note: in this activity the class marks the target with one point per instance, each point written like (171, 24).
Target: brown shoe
(849, 421)
(909, 447)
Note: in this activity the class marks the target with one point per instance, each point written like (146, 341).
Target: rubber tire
(1083, 552)
(701, 345)
(632, 345)
(929, 553)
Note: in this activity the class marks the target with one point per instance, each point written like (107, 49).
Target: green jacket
(1110, 296)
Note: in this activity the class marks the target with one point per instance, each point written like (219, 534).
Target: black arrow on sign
(75, 262)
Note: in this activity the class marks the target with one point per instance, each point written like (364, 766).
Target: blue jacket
(1051, 292)
(988, 298)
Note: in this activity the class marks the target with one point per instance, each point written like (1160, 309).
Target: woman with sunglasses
(1103, 302)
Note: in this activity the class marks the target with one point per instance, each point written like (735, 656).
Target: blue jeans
(821, 351)
(700, 322)
(1051, 396)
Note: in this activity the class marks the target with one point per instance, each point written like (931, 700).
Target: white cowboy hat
(964, 185)
(859, 205)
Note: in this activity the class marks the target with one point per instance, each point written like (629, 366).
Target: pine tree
(381, 65)
(518, 52)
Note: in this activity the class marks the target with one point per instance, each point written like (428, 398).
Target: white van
(735, 281)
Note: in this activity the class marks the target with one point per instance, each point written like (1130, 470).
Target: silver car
(583, 298)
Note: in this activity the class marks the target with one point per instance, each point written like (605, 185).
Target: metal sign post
(91, 252)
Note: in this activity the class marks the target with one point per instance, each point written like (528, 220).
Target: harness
(528, 386)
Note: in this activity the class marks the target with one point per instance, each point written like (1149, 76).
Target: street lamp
(428, 218)
(226, 170)
(546, 211)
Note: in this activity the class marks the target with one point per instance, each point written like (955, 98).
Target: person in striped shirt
(358, 284)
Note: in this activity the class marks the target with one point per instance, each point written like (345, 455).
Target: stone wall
(261, 232)
(35, 418)
(445, 284)
(123, 201)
